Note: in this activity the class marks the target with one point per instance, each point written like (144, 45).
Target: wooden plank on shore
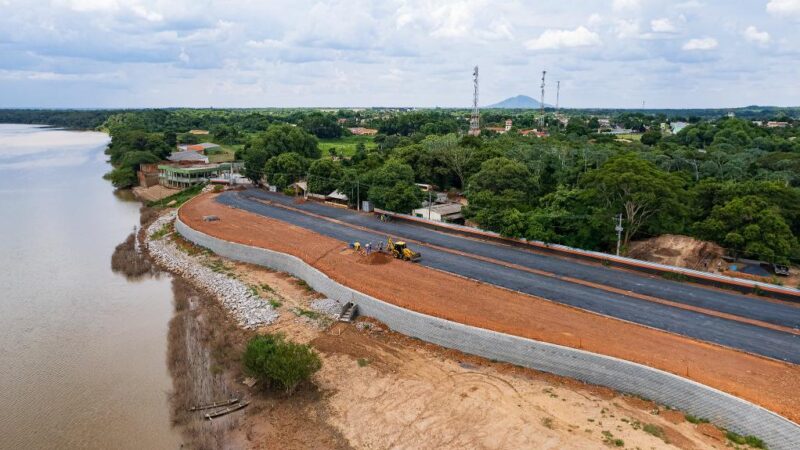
(224, 411)
(215, 404)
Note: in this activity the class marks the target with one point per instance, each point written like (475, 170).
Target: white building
(447, 212)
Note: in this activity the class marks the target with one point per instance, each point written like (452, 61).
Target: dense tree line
(727, 181)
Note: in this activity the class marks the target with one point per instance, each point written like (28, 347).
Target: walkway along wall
(702, 401)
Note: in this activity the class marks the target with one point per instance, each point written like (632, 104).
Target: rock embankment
(251, 311)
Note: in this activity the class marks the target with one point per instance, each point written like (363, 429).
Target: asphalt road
(751, 338)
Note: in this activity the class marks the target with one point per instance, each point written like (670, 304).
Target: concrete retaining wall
(702, 401)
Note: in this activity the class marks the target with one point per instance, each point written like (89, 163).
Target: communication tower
(541, 103)
(475, 118)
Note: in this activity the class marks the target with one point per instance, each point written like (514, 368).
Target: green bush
(752, 441)
(280, 363)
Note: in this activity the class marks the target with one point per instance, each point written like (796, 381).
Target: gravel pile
(251, 311)
(327, 306)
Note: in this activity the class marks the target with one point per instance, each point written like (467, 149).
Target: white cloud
(626, 28)
(752, 34)
(663, 25)
(555, 39)
(707, 43)
(623, 5)
(784, 8)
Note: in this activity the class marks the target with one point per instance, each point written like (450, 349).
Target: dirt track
(765, 382)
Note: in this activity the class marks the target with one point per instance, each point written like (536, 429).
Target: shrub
(752, 441)
(280, 363)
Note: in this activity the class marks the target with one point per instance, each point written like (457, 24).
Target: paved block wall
(702, 401)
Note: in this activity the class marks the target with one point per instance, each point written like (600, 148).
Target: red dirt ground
(769, 383)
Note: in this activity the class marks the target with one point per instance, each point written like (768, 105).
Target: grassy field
(631, 136)
(226, 154)
(346, 146)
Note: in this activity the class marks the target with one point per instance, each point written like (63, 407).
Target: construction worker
(357, 247)
(369, 247)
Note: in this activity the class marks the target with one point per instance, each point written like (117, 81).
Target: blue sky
(241, 53)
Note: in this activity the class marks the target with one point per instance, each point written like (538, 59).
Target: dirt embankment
(766, 382)
(680, 251)
(379, 389)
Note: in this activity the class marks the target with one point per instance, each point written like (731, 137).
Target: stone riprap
(251, 311)
(328, 306)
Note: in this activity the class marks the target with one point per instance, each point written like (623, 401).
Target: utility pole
(430, 202)
(541, 102)
(618, 229)
(358, 195)
(558, 94)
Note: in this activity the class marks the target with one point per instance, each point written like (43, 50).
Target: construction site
(742, 345)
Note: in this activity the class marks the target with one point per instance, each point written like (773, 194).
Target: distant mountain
(518, 102)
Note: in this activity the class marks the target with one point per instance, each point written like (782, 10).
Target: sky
(298, 53)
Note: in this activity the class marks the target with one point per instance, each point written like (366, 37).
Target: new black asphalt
(751, 338)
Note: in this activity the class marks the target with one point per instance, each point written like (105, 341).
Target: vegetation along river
(82, 349)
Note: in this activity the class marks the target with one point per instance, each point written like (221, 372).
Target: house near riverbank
(188, 157)
(185, 176)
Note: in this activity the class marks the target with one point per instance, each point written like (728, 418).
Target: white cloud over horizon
(706, 43)
(556, 39)
(240, 53)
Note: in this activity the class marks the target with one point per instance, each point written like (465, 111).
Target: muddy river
(82, 349)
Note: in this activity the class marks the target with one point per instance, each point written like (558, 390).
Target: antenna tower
(541, 103)
(475, 118)
(558, 94)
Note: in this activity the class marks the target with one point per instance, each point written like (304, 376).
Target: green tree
(401, 197)
(122, 177)
(651, 137)
(323, 126)
(752, 226)
(646, 196)
(285, 139)
(391, 187)
(285, 169)
(277, 362)
(454, 156)
(254, 162)
(324, 176)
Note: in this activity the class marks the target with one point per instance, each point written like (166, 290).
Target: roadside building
(188, 157)
(533, 132)
(446, 212)
(203, 148)
(678, 126)
(198, 132)
(773, 124)
(336, 198)
(604, 122)
(147, 175)
(184, 176)
(361, 131)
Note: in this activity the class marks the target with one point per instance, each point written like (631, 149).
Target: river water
(82, 349)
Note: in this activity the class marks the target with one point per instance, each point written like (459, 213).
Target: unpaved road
(621, 301)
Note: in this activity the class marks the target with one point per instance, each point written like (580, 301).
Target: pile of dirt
(375, 259)
(677, 250)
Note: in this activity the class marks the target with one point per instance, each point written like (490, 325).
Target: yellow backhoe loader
(400, 250)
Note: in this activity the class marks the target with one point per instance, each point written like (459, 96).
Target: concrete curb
(702, 401)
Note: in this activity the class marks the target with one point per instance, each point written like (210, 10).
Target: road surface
(639, 298)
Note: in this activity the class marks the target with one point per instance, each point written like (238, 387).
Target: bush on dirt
(280, 363)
